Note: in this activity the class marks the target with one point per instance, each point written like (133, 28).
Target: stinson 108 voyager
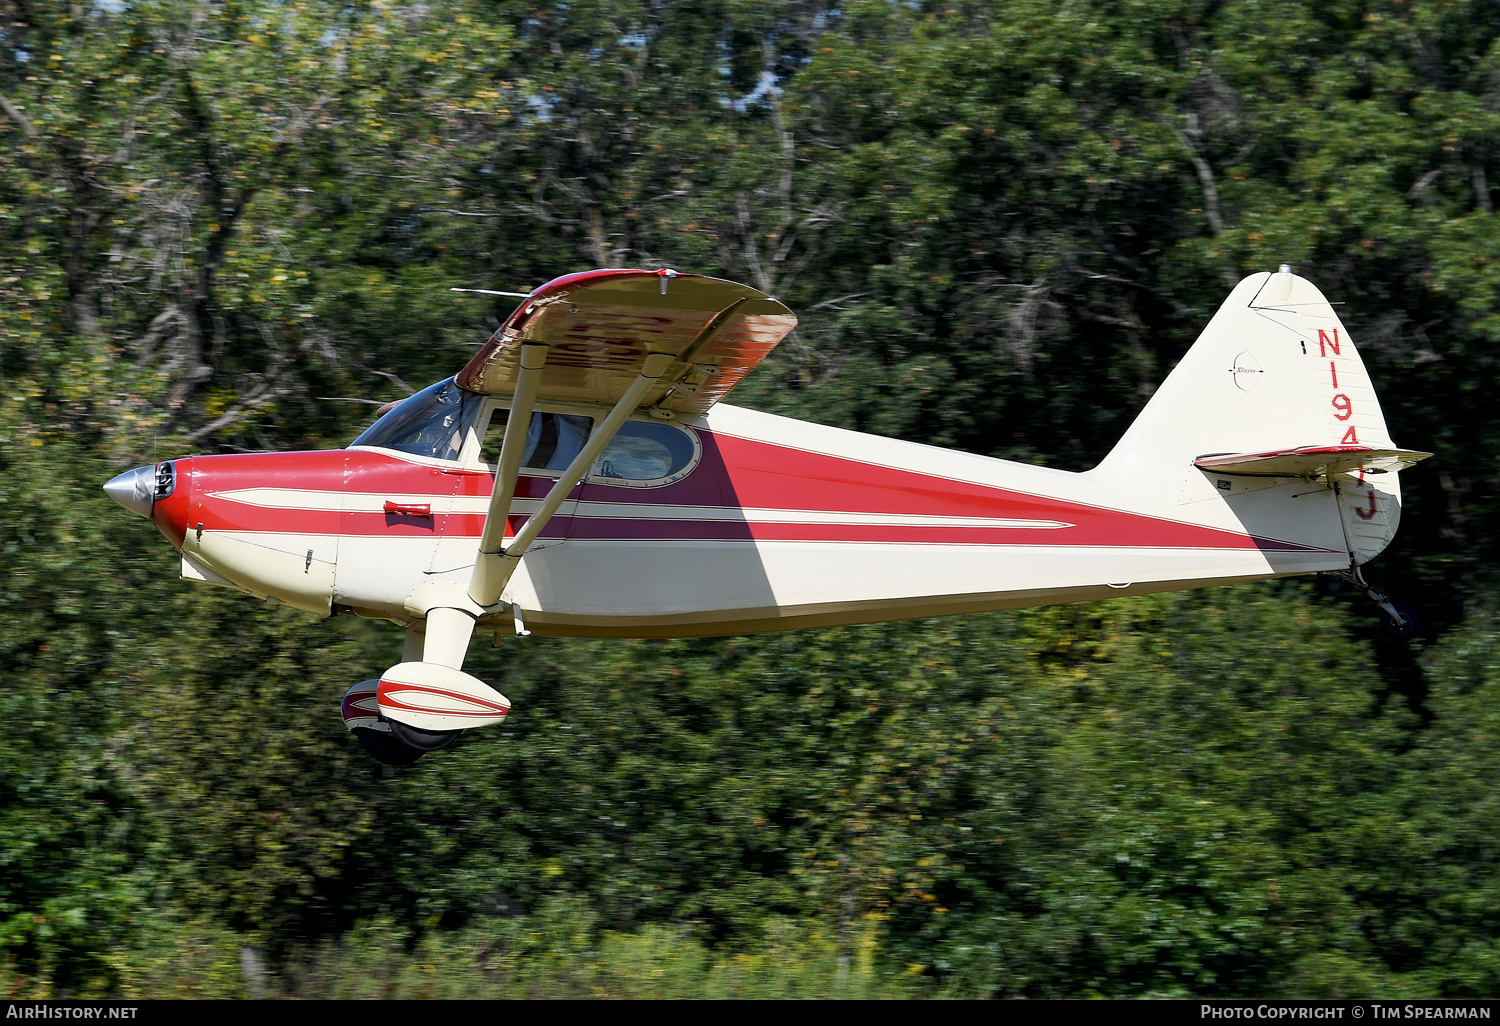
(581, 477)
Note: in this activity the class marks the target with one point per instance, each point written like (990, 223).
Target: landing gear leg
(413, 739)
(411, 649)
(1398, 621)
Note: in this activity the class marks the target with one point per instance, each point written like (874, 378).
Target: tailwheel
(1398, 621)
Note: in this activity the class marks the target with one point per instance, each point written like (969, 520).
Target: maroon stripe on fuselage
(592, 528)
(734, 473)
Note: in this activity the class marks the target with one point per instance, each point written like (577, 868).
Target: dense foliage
(1001, 225)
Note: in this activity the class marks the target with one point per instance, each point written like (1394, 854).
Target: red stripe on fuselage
(344, 471)
(734, 473)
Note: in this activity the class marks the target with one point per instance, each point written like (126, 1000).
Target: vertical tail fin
(1274, 370)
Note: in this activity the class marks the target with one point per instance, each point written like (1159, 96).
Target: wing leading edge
(600, 326)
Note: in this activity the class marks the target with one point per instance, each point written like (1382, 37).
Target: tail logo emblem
(1246, 371)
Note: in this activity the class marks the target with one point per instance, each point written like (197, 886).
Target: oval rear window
(647, 453)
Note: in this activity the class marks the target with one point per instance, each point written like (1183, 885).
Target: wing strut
(493, 569)
(485, 585)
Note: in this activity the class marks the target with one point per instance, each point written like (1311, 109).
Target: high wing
(623, 339)
(600, 326)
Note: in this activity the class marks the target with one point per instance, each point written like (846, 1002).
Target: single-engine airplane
(581, 477)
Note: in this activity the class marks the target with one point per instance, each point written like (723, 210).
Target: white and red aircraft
(580, 477)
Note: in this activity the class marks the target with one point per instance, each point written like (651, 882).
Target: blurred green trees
(1000, 224)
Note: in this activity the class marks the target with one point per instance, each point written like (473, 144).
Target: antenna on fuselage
(492, 292)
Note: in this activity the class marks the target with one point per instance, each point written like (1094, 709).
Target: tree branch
(1205, 175)
(21, 120)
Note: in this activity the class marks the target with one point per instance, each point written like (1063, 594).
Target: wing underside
(599, 327)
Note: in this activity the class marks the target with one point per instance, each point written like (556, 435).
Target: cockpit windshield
(434, 422)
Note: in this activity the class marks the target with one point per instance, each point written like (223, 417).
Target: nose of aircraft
(134, 489)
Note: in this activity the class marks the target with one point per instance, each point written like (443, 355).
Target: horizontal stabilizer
(1311, 461)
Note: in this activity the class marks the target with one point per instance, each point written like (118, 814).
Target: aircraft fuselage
(769, 524)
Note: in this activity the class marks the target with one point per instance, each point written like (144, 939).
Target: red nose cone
(170, 513)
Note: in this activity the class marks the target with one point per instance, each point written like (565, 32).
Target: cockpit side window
(435, 422)
(552, 439)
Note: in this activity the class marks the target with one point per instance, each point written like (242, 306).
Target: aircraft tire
(385, 748)
(1395, 631)
(422, 741)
